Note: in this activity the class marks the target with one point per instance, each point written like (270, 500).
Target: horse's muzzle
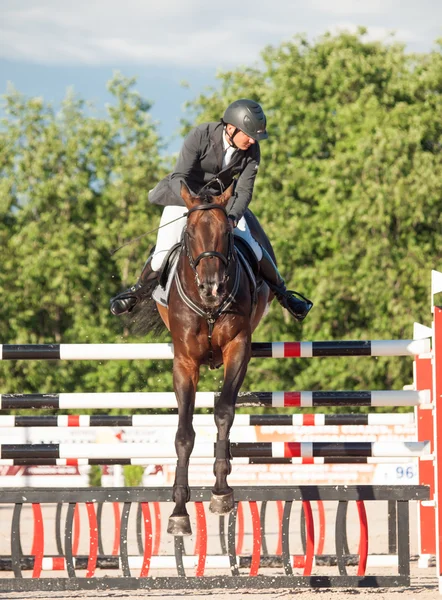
(211, 291)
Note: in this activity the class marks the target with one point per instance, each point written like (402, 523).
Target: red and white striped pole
(436, 288)
(423, 376)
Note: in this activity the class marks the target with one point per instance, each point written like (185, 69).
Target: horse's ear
(189, 200)
(225, 197)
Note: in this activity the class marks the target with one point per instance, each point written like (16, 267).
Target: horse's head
(208, 240)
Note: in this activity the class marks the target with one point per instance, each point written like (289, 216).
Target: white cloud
(105, 32)
(353, 7)
(191, 33)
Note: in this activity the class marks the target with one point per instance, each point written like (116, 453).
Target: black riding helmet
(248, 116)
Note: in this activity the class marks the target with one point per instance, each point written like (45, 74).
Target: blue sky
(47, 46)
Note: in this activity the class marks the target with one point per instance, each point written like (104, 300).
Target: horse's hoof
(179, 525)
(222, 504)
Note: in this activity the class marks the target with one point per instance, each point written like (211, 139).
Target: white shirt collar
(228, 150)
(226, 144)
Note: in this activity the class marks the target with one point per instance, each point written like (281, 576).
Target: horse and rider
(215, 300)
(212, 157)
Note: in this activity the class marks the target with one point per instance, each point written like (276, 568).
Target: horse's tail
(145, 317)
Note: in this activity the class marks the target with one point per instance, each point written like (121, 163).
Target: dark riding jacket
(199, 165)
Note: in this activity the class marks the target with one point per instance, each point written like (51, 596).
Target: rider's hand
(232, 221)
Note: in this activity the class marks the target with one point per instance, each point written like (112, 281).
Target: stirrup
(119, 306)
(295, 294)
(298, 305)
(125, 301)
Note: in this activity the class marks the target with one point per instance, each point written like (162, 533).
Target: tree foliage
(349, 191)
(73, 188)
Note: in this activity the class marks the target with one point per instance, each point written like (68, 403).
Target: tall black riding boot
(298, 307)
(127, 300)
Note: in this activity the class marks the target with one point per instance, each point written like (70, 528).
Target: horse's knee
(224, 414)
(185, 438)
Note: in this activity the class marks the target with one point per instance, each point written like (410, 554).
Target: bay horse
(211, 316)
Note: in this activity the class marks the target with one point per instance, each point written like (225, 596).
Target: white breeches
(171, 234)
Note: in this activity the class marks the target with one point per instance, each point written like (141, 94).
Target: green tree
(349, 191)
(73, 188)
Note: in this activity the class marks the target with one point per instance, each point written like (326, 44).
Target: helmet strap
(230, 137)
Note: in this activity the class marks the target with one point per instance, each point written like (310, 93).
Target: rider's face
(241, 139)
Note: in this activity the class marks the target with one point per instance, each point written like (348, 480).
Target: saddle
(169, 263)
(165, 276)
(250, 264)
(243, 249)
(168, 269)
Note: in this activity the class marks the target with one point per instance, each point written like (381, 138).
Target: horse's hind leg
(185, 379)
(236, 358)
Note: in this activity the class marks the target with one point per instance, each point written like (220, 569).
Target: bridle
(194, 262)
(210, 315)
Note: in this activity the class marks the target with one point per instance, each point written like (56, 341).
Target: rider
(212, 156)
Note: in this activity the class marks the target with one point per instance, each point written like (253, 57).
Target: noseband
(208, 253)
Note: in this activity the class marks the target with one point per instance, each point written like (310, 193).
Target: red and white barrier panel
(296, 399)
(314, 420)
(241, 449)
(259, 350)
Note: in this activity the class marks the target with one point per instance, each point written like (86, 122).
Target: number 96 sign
(407, 473)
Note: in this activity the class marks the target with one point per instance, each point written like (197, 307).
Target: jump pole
(292, 399)
(146, 462)
(207, 421)
(207, 450)
(259, 350)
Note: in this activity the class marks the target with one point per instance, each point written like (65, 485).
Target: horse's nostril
(205, 289)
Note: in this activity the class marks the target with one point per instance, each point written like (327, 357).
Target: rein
(200, 207)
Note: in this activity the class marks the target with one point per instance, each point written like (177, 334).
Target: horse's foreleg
(236, 357)
(185, 380)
